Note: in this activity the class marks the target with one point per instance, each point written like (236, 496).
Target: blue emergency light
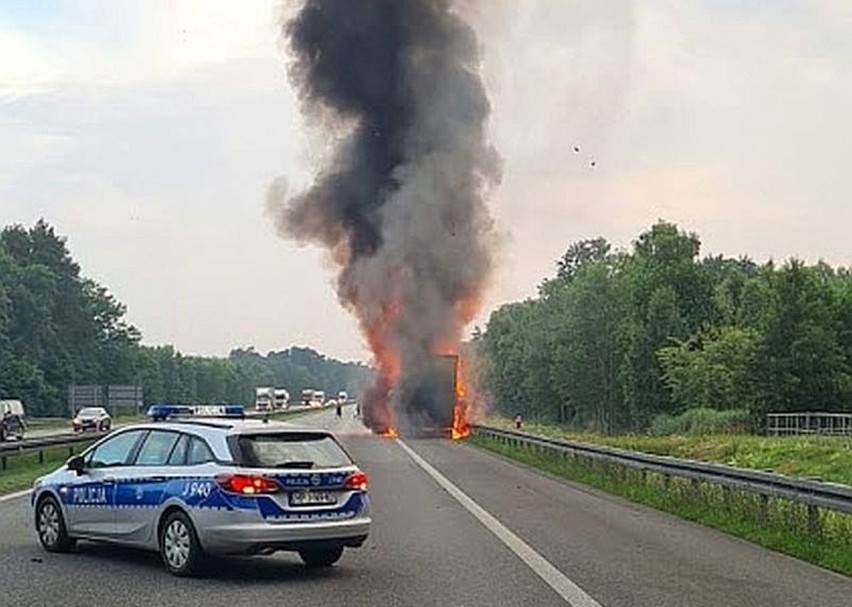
(164, 412)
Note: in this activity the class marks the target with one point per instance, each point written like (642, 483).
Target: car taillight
(247, 484)
(357, 481)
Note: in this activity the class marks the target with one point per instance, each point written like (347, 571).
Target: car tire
(104, 426)
(179, 546)
(316, 558)
(50, 527)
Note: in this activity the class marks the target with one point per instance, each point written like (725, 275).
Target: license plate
(313, 498)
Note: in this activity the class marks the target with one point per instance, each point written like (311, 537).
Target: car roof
(227, 426)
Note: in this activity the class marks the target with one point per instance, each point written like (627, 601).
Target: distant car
(192, 487)
(11, 420)
(92, 418)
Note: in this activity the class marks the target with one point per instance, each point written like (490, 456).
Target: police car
(190, 486)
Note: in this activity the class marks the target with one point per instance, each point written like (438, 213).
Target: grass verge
(828, 458)
(21, 470)
(815, 535)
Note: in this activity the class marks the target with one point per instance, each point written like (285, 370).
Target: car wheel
(179, 546)
(50, 526)
(321, 557)
(104, 426)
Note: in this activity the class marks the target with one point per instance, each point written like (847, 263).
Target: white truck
(264, 399)
(281, 399)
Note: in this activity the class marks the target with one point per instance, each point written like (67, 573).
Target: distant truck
(11, 419)
(312, 398)
(264, 399)
(281, 399)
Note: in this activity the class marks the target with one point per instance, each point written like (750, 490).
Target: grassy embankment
(816, 535)
(821, 457)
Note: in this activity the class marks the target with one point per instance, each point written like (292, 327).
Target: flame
(461, 425)
(378, 414)
(389, 433)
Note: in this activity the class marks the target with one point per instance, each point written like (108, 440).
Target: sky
(149, 131)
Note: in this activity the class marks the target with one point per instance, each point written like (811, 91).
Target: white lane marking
(564, 587)
(13, 496)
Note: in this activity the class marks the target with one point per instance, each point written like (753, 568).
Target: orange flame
(389, 433)
(461, 425)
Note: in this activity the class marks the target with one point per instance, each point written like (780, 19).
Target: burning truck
(429, 408)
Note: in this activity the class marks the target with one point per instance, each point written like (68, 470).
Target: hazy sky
(148, 131)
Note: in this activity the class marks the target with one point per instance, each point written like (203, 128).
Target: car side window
(115, 451)
(199, 452)
(178, 456)
(157, 448)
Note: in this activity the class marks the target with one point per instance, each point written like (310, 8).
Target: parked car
(92, 418)
(11, 419)
(194, 487)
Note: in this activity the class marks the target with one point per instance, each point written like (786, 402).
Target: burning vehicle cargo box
(431, 400)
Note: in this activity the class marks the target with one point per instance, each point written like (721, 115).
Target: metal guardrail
(832, 496)
(42, 444)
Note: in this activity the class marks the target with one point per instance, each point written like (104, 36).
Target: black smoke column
(400, 202)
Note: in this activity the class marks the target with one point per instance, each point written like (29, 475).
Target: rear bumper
(263, 537)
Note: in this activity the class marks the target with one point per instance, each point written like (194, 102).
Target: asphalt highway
(453, 525)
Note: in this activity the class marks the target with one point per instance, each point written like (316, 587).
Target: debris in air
(576, 150)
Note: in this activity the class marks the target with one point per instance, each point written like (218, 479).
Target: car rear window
(290, 450)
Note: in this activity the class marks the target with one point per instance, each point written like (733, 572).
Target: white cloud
(24, 66)
(157, 41)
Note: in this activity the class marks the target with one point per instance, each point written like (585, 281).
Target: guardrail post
(813, 520)
(3, 458)
(41, 456)
(763, 508)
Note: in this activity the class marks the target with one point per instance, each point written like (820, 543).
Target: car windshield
(290, 450)
(90, 412)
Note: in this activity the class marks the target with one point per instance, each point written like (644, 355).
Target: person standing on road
(338, 409)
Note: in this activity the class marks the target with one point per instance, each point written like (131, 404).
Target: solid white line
(564, 587)
(13, 496)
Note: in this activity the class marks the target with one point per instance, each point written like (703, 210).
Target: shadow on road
(283, 567)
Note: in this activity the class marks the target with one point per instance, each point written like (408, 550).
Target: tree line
(642, 339)
(59, 328)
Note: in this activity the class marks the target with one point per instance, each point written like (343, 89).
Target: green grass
(824, 457)
(22, 470)
(819, 536)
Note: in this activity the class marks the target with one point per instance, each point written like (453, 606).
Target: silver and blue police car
(191, 487)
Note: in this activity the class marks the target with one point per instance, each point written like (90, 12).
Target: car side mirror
(77, 464)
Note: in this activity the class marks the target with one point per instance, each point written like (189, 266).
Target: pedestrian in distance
(519, 422)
